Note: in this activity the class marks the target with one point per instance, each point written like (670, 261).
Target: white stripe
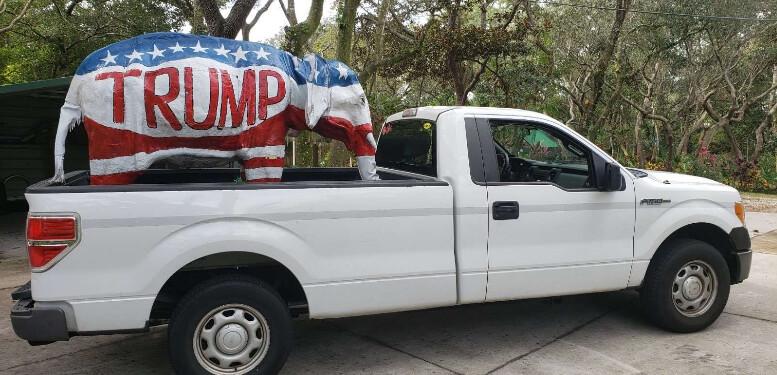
(265, 172)
(143, 160)
(262, 152)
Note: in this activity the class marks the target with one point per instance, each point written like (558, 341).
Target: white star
(239, 54)
(109, 59)
(315, 75)
(261, 53)
(221, 51)
(135, 55)
(343, 71)
(198, 48)
(157, 53)
(176, 48)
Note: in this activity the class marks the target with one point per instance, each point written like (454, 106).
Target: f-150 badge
(654, 201)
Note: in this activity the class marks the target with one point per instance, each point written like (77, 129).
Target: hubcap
(231, 339)
(694, 288)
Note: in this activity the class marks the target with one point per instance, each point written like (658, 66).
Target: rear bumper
(743, 256)
(45, 322)
(37, 324)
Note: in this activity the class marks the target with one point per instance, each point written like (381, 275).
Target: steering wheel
(503, 161)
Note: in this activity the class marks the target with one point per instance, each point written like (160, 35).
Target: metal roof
(431, 113)
(30, 109)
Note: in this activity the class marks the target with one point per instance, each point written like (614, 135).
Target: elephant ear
(318, 93)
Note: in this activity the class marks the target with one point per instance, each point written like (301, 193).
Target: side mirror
(610, 178)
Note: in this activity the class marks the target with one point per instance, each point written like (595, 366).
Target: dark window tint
(408, 145)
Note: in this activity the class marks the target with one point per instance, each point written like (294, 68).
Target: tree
(16, 15)
(346, 22)
(747, 80)
(249, 25)
(298, 34)
(53, 40)
(225, 27)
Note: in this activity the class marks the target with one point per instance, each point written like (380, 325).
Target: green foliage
(50, 42)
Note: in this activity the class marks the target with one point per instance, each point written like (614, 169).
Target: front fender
(654, 225)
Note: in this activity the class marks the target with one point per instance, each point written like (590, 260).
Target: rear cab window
(408, 145)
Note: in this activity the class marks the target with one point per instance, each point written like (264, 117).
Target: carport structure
(28, 120)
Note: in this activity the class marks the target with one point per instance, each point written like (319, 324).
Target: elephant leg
(262, 169)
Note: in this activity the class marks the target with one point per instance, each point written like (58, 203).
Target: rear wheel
(686, 286)
(230, 325)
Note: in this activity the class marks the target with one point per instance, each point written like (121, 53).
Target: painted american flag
(160, 95)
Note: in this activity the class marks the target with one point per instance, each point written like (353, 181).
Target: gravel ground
(756, 202)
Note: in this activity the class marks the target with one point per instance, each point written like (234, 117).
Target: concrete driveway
(598, 333)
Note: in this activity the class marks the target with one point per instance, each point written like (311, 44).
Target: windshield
(408, 145)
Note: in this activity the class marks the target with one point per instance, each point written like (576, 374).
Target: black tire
(660, 282)
(212, 295)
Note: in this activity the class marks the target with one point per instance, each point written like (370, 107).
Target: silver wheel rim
(231, 339)
(694, 288)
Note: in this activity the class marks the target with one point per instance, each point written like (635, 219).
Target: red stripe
(353, 136)
(114, 179)
(109, 143)
(260, 180)
(263, 162)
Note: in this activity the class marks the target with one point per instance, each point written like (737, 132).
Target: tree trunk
(225, 27)
(603, 62)
(707, 137)
(298, 34)
(768, 118)
(377, 51)
(345, 27)
(685, 139)
(454, 65)
(669, 161)
(248, 26)
(638, 140)
(657, 141)
(197, 21)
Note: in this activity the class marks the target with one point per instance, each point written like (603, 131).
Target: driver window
(529, 153)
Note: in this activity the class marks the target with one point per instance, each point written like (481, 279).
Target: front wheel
(230, 325)
(686, 286)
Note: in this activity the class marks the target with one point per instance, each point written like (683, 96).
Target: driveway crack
(555, 340)
(387, 345)
(751, 317)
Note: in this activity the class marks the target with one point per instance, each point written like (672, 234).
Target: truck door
(551, 232)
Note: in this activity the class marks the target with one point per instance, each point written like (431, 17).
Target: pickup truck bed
(136, 239)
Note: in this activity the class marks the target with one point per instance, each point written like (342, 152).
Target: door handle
(505, 210)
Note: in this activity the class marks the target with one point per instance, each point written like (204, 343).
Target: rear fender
(225, 235)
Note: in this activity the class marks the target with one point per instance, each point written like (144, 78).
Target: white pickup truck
(474, 205)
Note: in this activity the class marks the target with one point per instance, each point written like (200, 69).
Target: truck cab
(559, 214)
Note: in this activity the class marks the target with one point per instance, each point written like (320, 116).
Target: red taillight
(49, 236)
(51, 228)
(42, 254)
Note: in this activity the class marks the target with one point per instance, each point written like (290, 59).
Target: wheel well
(266, 269)
(711, 234)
